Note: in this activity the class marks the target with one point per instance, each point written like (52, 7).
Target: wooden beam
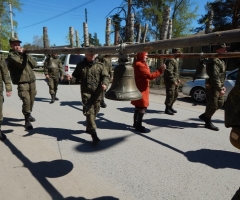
(195, 40)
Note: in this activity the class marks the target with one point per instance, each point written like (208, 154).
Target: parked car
(69, 63)
(39, 58)
(196, 89)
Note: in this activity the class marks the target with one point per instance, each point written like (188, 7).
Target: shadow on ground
(216, 159)
(48, 169)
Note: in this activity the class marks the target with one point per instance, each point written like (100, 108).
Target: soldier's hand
(61, 78)
(224, 89)
(176, 83)
(104, 87)
(222, 92)
(8, 94)
(47, 76)
(179, 81)
(69, 77)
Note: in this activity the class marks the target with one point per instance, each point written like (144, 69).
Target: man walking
(20, 66)
(94, 80)
(216, 70)
(171, 80)
(4, 77)
(53, 71)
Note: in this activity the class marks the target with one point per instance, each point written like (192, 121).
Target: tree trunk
(77, 39)
(169, 35)
(138, 33)
(71, 36)
(145, 33)
(108, 31)
(209, 22)
(86, 35)
(45, 38)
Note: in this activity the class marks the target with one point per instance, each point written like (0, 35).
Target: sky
(59, 15)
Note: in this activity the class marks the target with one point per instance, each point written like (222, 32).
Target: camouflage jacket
(216, 70)
(171, 71)
(4, 77)
(20, 67)
(53, 67)
(92, 75)
(107, 64)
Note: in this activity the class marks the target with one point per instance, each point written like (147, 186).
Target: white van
(39, 58)
(69, 61)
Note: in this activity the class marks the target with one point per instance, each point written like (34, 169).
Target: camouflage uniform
(92, 75)
(4, 77)
(53, 68)
(232, 113)
(108, 65)
(216, 70)
(20, 67)
(170, 78)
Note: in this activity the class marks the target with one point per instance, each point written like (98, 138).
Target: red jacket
(142, 77)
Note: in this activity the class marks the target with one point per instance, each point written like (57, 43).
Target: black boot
(2, 136)
(56, 97)
(31, 118)
(103, 104)
(28, 125)
(202, 117)
(139, 126)
(94, 136)
(209, 125)
(135, 118)
(171, 108)
(168, 111)
(53, 98)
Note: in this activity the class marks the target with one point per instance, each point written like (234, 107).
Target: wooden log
(196, 40)
(186, 55)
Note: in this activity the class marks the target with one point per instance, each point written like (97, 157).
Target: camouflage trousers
(53, 85)
(232, 108)
(171, 94)
(27, 93)
(91, 109)
(214, 102)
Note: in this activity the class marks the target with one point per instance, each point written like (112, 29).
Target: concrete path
(177, 160)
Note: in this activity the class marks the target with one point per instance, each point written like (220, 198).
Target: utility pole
(85, 15)
(10, 10)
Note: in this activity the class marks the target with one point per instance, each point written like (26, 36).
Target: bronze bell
(123, 87)
(201, 72)
(234, 137)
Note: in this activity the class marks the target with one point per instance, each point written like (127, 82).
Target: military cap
(219, 46)
(14, 39)
(235, 137)
(176, 50)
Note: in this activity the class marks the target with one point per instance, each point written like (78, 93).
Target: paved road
(177, 160)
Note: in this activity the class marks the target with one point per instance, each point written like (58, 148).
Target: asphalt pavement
(178, 159)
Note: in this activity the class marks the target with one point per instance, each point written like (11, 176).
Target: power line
(81, 5)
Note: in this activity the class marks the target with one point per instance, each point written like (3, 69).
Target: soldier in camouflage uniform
(171, 80)
(94, 79)
(232, 113)
(4, 77)
(20, 66)
(53, 71)
(108, 65)
(216, 70)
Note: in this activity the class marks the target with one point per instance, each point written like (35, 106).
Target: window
(75, 59)
(232, 76)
